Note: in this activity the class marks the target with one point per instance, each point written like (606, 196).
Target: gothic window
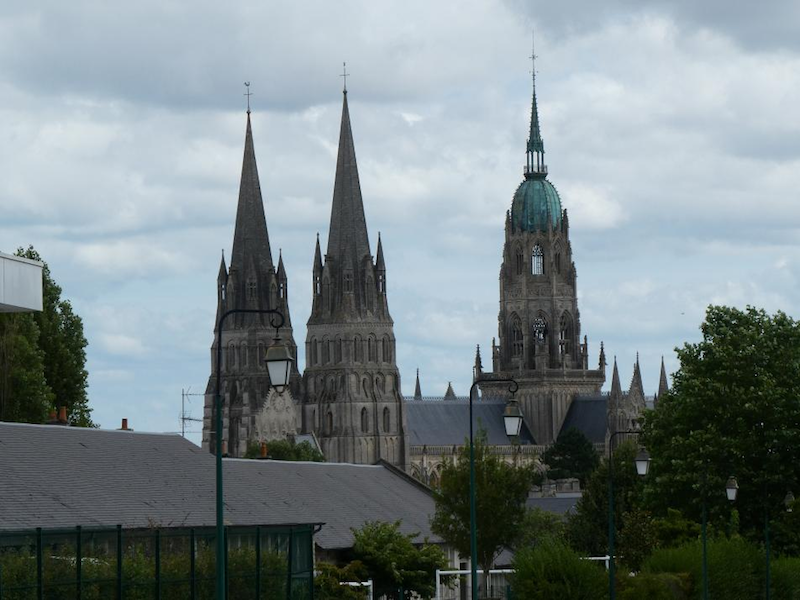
(358, 349)
(372, 350)
(516, 339)
(251, 289)
(244, 355)
(329, 423)
(317, 285)
(222, 290)
(337, 351)
(565, 333)
(231, 356)
(325, 351)
(381, 283)
(348, 282)
(520, 262)
(539, 329)
(537, 260)
(386, 420)
(387, 349)
(282, 290)
(364, 420)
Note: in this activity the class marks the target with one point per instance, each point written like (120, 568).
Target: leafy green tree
(501, 491)
(328, 581)
(553, 570)
(587, 529)
(733, 410)
(286, 450)
(24, 393)
(539, 526)
(394, 562)
(573, 455)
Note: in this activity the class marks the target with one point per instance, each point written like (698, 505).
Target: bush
(735, 567)
(552, 570)
(656, 586)
(786, 579)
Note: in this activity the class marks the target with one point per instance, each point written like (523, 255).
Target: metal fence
(273, 563)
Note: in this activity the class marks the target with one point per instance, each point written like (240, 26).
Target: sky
(671, 131)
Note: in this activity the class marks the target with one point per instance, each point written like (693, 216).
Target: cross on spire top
(248, 93)
(344, 75)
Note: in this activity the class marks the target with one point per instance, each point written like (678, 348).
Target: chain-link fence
(273, 563)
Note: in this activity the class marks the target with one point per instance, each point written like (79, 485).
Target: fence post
(258, 562)
(78, 561)
(289, 567)
(39, 565)
(158, 564)
(192, 583)
(227, 570)
(119, 562)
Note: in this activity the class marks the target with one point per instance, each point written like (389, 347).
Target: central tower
(353, 401)
(539, 322)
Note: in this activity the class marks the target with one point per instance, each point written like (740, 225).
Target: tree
(57, 334)
(24, 393)
(733, 410)
(553, 570)
(394, 562)
(587, 529)
(500, 490)
(328, 581)
(539, 526)
(573, 455)
(286, 450)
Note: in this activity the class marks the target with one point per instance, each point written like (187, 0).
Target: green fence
(273, 563)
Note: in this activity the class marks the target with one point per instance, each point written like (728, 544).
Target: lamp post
(787, 502)
(512, 419)
(642, 467)
(279, 365)
(731, 490)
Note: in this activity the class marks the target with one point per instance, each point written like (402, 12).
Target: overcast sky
(671, 131)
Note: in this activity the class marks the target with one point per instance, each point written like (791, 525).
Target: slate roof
(55, 476)
(560, 505)
(588, 415)
(446, 422)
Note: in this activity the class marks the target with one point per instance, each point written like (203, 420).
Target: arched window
(282, 290)
(387, 349)
(516, 339)
(386, 420)
(358, 349)
(520, 262)
(317, 285)
(565, 334)
(326, 356)
(372, 350)
(364, 420)
(329, 423)
(539, 329)
(244, 354)
(231, 356)
(537, 260)
(337, 351)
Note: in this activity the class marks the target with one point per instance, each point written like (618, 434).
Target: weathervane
(344, 74)
(248, 93)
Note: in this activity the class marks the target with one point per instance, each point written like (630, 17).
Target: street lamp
(513, 422)
(642, 467)
(731, 491)
(732, 488)
(279, 365)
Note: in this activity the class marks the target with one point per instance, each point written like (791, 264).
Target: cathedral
(349, 399)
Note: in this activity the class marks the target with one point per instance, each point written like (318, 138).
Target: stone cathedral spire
(539, 327)
(250, 281)
(352, 384)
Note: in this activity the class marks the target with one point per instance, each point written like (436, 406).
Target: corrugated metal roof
(53, 477)
(446, 422)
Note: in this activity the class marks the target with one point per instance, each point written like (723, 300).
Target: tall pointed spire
(250, 239)
(616, 386)
(636, 380)
(317, 256)
(347, 240)
(379, 262)
(663, 384)
(449, 394)
(417, 389)
(535, 150)
(222, 276)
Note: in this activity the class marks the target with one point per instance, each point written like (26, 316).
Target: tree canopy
(395, 562)
(501, 492)
(573, 455)
(43, 358)
(734, 409)
(286, 450)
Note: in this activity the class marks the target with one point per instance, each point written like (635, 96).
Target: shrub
(656, 586)
(552, 570)
(735, 567)
(786, 579)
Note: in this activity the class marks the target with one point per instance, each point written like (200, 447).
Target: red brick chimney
(263, 450)
(62, 415)
(125, 426)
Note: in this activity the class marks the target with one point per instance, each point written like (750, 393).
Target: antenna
(186, 417)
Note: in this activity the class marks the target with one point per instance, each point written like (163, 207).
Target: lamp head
(279, 365)
(731, 488)
(642, 462)
(512, 418)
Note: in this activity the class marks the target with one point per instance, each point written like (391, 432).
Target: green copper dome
(534, 199)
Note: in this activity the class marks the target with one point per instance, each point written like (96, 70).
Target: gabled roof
(588, 414)
(446, 422)
(59, 477)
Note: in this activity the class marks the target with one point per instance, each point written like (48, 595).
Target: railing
(105, 564)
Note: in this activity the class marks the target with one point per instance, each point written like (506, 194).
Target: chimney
(53, 418)
(224, 448)
(263, 450)
(62, 415)
(124, 426)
